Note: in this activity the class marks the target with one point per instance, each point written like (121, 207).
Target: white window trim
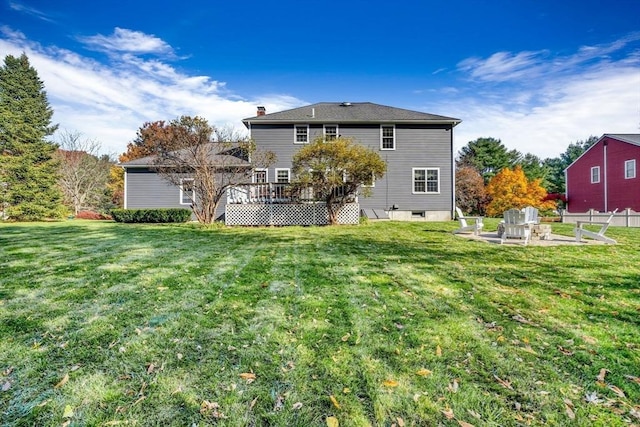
(630, 162)
(594, 168)
(373, 182)
(426, 174)
(394, 137)
(288, 174)
(324, 130)
(266, 174)
(295, 134)
(182, 192)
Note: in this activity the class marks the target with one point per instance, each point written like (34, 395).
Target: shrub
(91, 215)
(169, 215)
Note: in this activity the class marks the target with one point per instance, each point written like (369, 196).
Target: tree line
(42, 178)
(491, 178)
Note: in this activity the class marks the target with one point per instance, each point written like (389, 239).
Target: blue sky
(536, 74)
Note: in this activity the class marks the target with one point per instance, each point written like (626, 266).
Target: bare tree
(84, 172)
(204, 162)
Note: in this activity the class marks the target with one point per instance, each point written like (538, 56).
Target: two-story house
(417, 147)
(605, 176)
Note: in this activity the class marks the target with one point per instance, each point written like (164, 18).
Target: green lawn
(380, 324)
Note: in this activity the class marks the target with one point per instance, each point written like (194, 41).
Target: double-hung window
(595, 174)
(330, 132)
(426, 180)
(630, 169)
(283, 176)
(301, 134)
(187, 191)
(387, 137)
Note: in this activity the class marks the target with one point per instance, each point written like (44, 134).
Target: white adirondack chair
(530, 215)
(595, 235)
(469, 223)
(515, 226)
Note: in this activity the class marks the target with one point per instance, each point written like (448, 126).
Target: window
(630, 169)
(330, 132)
(595, 174)
(426, 180)
(371, 182)
(301, 134)
(283, 176)
(387, 137)
(260, 176)
(187, 191)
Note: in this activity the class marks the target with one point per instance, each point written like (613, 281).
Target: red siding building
(606, 176)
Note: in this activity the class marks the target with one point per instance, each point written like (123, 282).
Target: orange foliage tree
(510, 188)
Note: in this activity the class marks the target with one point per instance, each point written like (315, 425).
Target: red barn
(605, 177)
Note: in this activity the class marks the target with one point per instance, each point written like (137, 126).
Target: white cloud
(591, 103)
(124, 40)
(539, 104)
(110, 101)
(19, 7)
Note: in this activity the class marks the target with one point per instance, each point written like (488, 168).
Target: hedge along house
(605, 177)
(417, 147)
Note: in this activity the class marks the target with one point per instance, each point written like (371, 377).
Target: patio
(553, 240)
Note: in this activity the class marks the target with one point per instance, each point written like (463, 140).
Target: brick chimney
(262, 111)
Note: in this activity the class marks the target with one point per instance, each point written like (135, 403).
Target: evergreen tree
(28, 171)
(488, 156)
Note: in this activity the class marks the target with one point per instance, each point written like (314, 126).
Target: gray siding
(417, 146)
(145, 189)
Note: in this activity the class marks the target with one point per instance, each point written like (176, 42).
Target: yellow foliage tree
(510, 188)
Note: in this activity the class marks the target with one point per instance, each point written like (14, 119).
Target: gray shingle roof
(631, 138)
(216, 159)
(350, 112)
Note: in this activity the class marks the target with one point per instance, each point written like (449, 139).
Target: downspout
(606, 193)
(453, 177)
(124, 193)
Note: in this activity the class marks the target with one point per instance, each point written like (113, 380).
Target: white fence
(625, 218)
(288, 214)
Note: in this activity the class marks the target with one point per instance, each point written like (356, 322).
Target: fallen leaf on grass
(62, 382)
(346, 390)
(68, 412)
(6, 386)
(279, 405)
(521, 319)
(253, 403)
(601, 375)
(211, 409)
(448, 413)
(248, 376)
(390, 383)
(297, 406)
(453, 387)
(503, 383)
(632, 378)
(438, 351)
(464, 424)
(635, 412)
(151, 368)
(565, 351)
(617, 391)
(400, 422)
(332, 422)
(568, 409)
(334, 401)
(423, 372)
(346, 337)
(592, 398)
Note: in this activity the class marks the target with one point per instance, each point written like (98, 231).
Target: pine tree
(28, 171)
